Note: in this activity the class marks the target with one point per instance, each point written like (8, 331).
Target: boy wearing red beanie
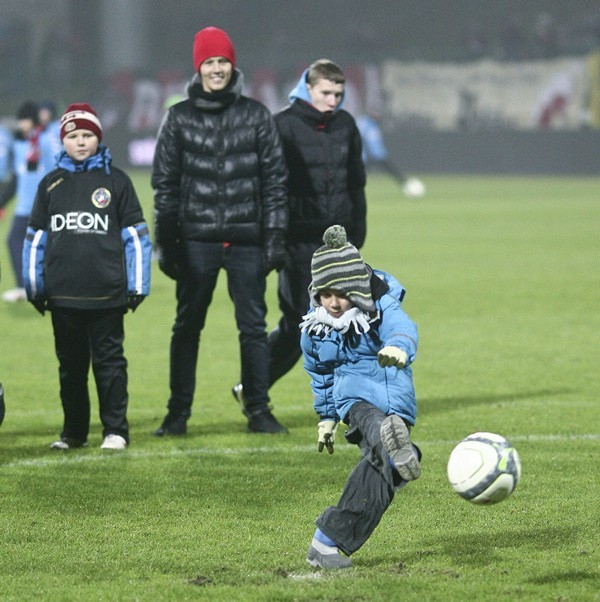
(220, 202)
(86, 259)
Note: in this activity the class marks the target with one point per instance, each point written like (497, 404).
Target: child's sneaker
(396, 441)
(113, 442)
(326, 557)
(65, 443)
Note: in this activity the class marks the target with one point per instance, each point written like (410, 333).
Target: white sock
(323, 548)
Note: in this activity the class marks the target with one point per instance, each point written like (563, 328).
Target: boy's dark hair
(28, 110)
(325, 69)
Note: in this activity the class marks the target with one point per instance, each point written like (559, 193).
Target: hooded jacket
(326, 173)
(344, 368)
(218, 172)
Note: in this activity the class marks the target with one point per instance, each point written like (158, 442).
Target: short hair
(325, 69)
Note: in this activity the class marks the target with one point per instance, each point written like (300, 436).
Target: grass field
(503, 280)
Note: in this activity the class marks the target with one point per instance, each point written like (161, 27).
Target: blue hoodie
(344, 369)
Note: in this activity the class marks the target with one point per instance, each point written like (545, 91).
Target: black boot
(173, 424)
(263, 421)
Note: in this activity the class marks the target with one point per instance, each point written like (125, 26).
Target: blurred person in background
(220, 203)
(8, 181)
(375, 154)
(33, 153)
(50, 121)
(326, 185)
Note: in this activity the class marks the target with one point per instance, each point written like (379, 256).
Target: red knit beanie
(80, 116)
(210, 42)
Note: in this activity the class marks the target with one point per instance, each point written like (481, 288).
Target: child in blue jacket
(86, 259)
(358, 346)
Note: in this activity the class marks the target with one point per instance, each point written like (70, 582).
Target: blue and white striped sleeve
(138, 254)
(34, 254)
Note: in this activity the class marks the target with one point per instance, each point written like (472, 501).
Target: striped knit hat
(338, 266)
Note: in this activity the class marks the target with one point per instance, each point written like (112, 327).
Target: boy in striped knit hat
(358, 346)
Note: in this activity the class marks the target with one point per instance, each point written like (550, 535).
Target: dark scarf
(216, 101)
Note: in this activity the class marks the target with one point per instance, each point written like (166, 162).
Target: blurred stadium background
(473, 87)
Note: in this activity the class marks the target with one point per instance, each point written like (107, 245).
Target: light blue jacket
(344, 369)
(27, 181)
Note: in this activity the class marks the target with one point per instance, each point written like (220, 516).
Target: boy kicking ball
(358, 346)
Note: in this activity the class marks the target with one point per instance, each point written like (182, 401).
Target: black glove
(133, 301)
(168, 261)
(40, 304)
(359, 233)
(274, 252)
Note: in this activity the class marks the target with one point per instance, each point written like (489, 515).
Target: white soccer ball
(484, 468)
(413, 187)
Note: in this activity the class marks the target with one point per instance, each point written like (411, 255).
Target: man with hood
(326, 186)
(220, 200)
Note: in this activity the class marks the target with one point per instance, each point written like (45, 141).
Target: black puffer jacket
(218, 173)
(326, 173)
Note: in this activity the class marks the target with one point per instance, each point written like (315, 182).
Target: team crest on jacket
(101, 198)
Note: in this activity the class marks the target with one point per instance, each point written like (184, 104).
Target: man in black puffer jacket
(219, 178)
(326, 185)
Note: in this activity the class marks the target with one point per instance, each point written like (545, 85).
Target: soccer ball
(413, 187)
(484, 468)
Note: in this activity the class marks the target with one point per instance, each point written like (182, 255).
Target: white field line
(82, 456)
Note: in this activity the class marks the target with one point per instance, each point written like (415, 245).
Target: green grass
(503, 280)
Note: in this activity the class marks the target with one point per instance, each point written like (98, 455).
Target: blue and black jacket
(87, 244)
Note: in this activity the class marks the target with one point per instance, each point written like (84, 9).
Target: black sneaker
(66, 443)
(172, 425)
(238, 393)
(265, 422)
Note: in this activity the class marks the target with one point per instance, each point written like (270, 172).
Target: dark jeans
(81, 336)
(294, 301)
(246, 284)
(369, 489)
(16, 236)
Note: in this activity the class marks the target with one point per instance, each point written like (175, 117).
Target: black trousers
(370, 488)
(96, 336)
(246, 284)
(294, 302)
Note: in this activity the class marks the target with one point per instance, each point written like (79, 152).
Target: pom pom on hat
(338, 266)
(335, 237)
(80, 116)
(210, 42)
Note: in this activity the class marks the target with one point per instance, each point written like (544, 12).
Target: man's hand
(168, 261)
(40, 304)
(327, 430)
(274, 252)
(134, 301)
(392, 356)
